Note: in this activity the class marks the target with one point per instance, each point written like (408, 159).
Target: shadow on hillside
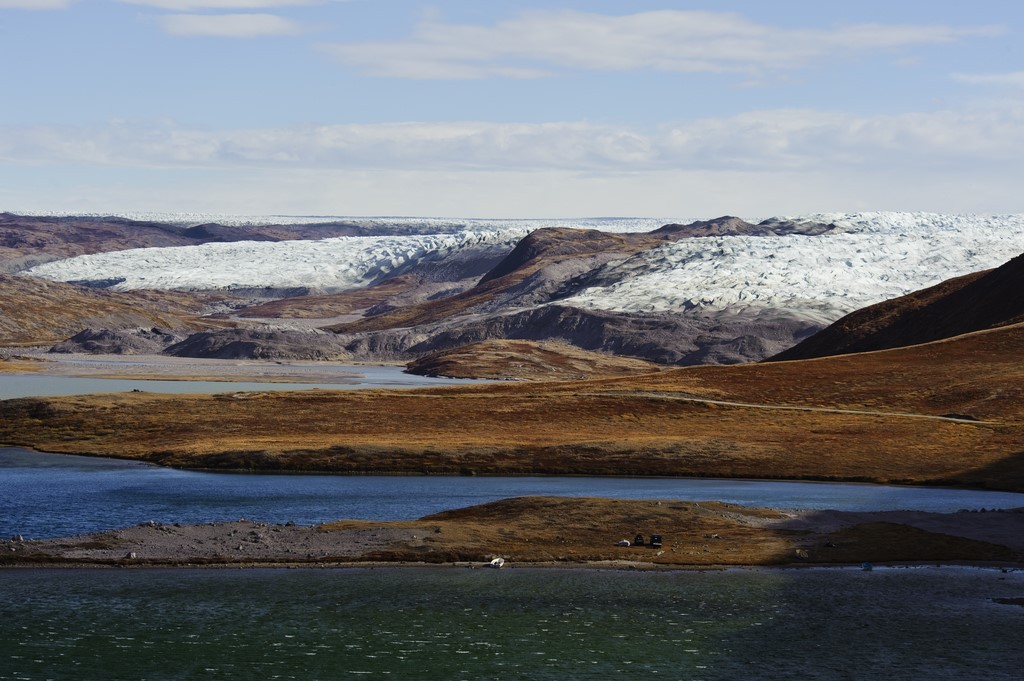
(1007, 474)
(843, 537)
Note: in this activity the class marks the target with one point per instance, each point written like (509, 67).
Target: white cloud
(543, 42)
(795, 140)
(192, 5)
(1013, 79)
(802, 139)
(228, 25)
(35, 4)
(676, 195)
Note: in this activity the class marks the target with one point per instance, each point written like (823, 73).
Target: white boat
(497, 562)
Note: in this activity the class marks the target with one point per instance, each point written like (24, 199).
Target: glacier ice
(870, 257)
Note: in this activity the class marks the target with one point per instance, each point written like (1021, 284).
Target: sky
(512, 109)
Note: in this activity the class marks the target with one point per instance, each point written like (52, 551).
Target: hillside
(974, 302)
(950, 412)
(30, 240)
(34, 311)
(526, 361)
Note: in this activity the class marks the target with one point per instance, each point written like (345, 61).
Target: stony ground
(557, 531)
(161, 367)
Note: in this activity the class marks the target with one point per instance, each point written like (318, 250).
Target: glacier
(383, 224)
(335, 264)
(867, 258)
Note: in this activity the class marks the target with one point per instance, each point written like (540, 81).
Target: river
(49, 495)
(345, 378)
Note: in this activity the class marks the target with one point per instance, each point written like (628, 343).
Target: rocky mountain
(692, 338)
(136, 341)
(974, 302)
(716, 291)
(518, 299)
(270, 344)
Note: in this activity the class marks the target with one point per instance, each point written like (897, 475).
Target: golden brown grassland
(870, 417)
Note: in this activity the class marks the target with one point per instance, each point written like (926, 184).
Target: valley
(580, 384)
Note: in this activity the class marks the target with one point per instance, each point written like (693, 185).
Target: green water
(515, 623)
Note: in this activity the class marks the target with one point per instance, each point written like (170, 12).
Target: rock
(261, 344)
(117, 341)
(685, 338)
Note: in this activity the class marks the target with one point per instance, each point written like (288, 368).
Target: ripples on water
(926, 623)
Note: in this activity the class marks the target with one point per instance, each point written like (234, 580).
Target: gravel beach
(712, 534)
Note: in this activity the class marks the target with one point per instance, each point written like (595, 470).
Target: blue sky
(511, 109)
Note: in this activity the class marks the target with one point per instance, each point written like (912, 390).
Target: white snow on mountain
(335, 264)
(869, 257)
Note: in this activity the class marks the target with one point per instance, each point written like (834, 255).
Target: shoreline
(589, 533)
(414, 474)
(810, 480)
(37, 360)
(614, 566)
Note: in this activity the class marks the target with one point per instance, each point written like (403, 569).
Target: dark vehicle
(655, 541)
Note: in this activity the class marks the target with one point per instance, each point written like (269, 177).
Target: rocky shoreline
(695, 535)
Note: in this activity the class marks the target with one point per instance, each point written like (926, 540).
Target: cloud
(796, 140)
(1013, 79)
(192, 5)
(35, 4)
(675, 195)
(228, 25)
(802, 139)
(541, 43)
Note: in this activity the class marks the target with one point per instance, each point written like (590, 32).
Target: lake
(50, 495)
(350, 377)
(458, 623)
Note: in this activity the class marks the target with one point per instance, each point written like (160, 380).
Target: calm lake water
(35, 385)
(437, 623)
(50, 495)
